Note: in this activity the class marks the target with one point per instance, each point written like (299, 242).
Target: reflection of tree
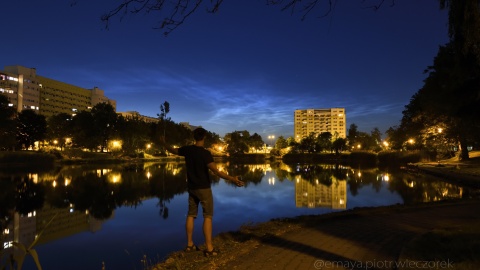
(249, 173)
(30, 196)
(95, 194)
(416, 188)
(167, 181)
(7, 201)
(58, 196)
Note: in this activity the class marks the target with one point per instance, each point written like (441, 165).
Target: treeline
(102, 130)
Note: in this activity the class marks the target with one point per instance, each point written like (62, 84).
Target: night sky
(247, 67)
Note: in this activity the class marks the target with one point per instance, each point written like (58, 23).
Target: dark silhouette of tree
(324, 141)
(7, 124)
(84, 134)
(309, 143)
(134, 134)
(59, 127)
(449, 100)
(339, 145)
(255, 141)
(211, 139)
(237, 142)
(31, 127)
(352, 135)
(281, 143)
(104, 121)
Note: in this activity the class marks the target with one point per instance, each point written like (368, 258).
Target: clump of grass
(457, 248)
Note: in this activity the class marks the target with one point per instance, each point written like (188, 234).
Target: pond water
(129, 216)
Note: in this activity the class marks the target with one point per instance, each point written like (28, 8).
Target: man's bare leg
(207, 232)
(189, 229)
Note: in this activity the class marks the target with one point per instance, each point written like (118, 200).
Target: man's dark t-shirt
(196, 159)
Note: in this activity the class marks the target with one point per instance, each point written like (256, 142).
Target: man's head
(199, 134)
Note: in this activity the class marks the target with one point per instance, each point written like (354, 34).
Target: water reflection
(83, 198)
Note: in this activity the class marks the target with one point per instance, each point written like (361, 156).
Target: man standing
(198, 161)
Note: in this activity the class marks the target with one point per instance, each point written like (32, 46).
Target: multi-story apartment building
(26, 90)
(333, 120)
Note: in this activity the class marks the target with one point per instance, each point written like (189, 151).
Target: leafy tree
(31, 127)
(212, 139)
(84, 134)
(255, 141)
(237, 142)
(339, 145)
(134, 134)
(448, 97)
(324, 141)
(376, 135)
(59, 127)
(396, 136)
(281, 143)
(309, 143)
(104, 121)
(352, 135)
(7, 124)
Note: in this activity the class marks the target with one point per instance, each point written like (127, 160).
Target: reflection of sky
(123, 240)
(368, 196)
(134, 231)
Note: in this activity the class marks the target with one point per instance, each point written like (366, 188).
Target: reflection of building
(319, 195)
(333, 120)
(26, 90)
(64, 222)
(22, 229)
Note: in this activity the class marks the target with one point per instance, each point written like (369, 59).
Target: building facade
(317, 121)
(26, 90)
(131, 115)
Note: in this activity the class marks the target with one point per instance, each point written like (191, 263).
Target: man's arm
(168, 147)
(213, 167)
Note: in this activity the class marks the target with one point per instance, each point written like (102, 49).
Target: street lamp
(271, 137)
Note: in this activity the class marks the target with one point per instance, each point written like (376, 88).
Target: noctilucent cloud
(248, 67)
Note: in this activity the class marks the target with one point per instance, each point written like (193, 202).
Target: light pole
(271, 137)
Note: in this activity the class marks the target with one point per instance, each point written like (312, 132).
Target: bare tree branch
(178, 11)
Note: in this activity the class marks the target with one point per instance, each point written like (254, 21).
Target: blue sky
(247, 67)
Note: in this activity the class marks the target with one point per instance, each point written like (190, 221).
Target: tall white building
(333, 120)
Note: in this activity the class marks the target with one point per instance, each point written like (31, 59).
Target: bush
(362, 158)
(30, 160)
(399, 158)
